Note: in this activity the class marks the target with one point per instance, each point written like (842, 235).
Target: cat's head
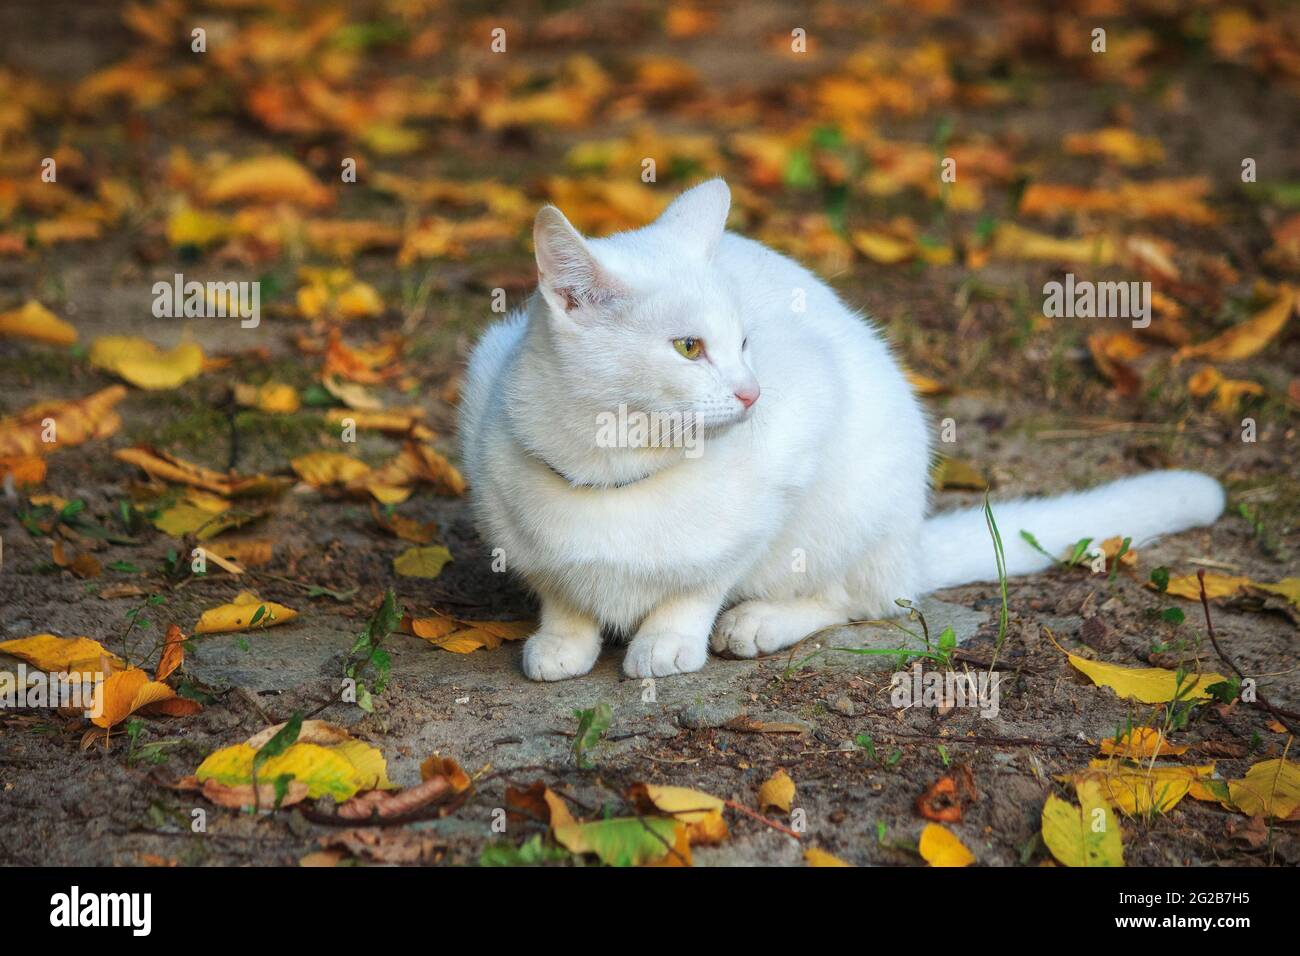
(645, 319)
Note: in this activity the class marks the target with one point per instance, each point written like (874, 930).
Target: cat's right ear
(568, 275)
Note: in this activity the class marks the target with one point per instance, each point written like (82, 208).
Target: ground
(1032, 411)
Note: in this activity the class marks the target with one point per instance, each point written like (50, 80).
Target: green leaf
(622, 841)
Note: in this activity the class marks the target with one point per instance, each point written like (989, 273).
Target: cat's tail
(958, 549)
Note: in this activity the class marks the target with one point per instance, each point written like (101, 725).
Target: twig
(762, 819)
(1260, 700)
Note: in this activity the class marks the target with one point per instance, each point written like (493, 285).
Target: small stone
(1097, 634)
(843, 705)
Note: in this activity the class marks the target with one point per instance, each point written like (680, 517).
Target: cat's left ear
(698, 217)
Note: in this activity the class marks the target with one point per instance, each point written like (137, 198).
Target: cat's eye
(689, 347)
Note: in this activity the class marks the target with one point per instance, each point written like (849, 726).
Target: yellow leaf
(1289, 588)
(426, 562)
(141, 363)
(1122, 145)
(1141, 742)
(249, 552)
(323, 769)
(170, 468)
(193, 227)
(368, 762)
(267, 179)
(953, 473)
(700, 812)
(1244, 340)
(238, 615)
(34, 321)
(463, 637)
(1270, 788)
(1086, 835)
(319, 468)
(1140, 788)
(816, 857)
(274, 398)
(1013, 242)
(1216, 586)
(881, 247)
(79, 420)
(777, 792)
(70, 655)
(939, 846)
(924, 385)
(1148, 685)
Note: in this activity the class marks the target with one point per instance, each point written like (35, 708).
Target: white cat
(801, 501)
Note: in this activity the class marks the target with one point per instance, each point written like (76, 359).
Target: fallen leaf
(69, 655)
(1116, 143)
(1246, 339)
(700, 812)
(321, 468)
(170, 468)
(74, 421)
(405, 528)
(1216, 586)
(422, 562)
(125, 692)
(1140, 789)
(242, 797)
(939, 846)
(463, 637)
(621, 841)
(274, 398)
(321, 769)
(143, 364)
(1086, 835)
(1141, 743)
(240, 613)
(173, 653)
(815, 857)
(1147, 685)
(34, 321)
(953, 474)
(777, 792)
(267, 179)
(537, 803)
(1271, 788)
(439, 766)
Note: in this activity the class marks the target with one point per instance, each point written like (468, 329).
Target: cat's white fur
(805, 510)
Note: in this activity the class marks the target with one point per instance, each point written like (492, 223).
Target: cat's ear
(698, 217)
(568, 274)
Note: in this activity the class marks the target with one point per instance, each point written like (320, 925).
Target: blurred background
(377, 166)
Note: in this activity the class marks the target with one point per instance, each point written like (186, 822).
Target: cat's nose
(748, 395)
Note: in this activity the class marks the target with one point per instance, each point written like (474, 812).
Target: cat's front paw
(664, 654)
(549, 655)
(755, 628)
